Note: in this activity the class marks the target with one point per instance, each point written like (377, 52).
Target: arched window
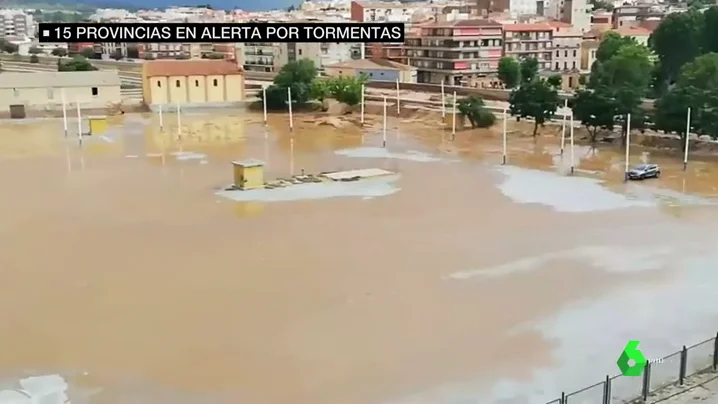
(214, 82)
(177, 83)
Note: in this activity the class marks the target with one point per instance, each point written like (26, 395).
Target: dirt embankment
(667, 144)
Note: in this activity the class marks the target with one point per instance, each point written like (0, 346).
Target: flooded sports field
(129, 275)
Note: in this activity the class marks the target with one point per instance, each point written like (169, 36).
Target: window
(565, 65)
(15, 92)
(574, 53)
(300, 52)
(557, 66)
(159, 83)
(177, 83)
(94, 91)
(196, 83)
(574, 64)
(558, 53)
(214, 82)
(565, 53)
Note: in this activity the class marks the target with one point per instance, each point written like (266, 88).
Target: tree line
(678, 69)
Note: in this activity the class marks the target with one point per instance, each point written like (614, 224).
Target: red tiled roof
(527, 27)
(478, 22)
(191, 68)
(632, 31)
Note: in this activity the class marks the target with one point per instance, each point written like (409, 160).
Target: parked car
(643, 171)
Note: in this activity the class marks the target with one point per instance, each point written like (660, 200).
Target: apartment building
(394, 52)
(108, 49)
(263, 56)
(635, 15)
(16, 24)
(324, 53)
(459, 52)
(164, 50)
(573, 12)
(486, 7)
(567, 47)
(522, 41)
(362, 11)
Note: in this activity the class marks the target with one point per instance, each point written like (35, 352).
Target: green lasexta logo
(632, 362)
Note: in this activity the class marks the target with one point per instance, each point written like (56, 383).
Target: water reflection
(135, 272)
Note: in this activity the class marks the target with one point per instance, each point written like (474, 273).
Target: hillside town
(562, 35)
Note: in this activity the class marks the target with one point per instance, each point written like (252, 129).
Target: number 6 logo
(632, 362)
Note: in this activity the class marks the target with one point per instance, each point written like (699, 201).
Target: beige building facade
(524, 41)
(373, 70)
(192, 82)
(46, 90)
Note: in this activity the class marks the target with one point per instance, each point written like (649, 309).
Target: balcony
(258, 52)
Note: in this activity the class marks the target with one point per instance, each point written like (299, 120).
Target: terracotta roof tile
(190, 68)
(527, 27)
(478, 22)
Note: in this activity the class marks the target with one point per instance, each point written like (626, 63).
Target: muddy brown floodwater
(127, 275)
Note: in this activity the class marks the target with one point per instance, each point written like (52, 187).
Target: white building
(574, 12)
(16, 24)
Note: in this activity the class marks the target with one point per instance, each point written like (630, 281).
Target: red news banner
(251, 32)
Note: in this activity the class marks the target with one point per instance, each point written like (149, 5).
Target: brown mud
(119, 260)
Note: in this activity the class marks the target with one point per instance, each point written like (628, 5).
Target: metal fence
(658, 374)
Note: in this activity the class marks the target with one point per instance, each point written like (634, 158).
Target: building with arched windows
(192, 82)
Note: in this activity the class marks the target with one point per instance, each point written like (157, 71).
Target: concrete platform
(357, 174)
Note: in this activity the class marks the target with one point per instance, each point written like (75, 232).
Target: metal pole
(572, 155)
(503, 161)
(79, 124)
(264, 103)
(161, 120)
(179, 121)
(443, 101)
(64, 111)
(628, 144)
(362, 105)
(291, 157)
(384, 135)
(398, 106)
(563, 126)
(289, 98)
(453, 120)
(688, 135)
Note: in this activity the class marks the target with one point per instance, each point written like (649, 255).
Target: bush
(473, 108)
(34, 59)
(345, 89)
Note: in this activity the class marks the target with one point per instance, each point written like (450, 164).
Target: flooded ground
(126, 272)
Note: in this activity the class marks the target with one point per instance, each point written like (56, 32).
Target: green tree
(697, 87)
(88, 53)
(298, 76)
(624, 79)
(34, 50)
(535, 99)
(61, 52)
(529, 69)
(555, 80)
(182, 57)
(133, 52)
(34, 59)
(710, 30)
(148, 56)
(670, 112)
(595, 110)
(344, 89)
(509, 71)
(610, 44)
(7, 47)
(677, 41)
(77, 64)
(473, 108)
(319, 89)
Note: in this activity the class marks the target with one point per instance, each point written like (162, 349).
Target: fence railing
(658, 374)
